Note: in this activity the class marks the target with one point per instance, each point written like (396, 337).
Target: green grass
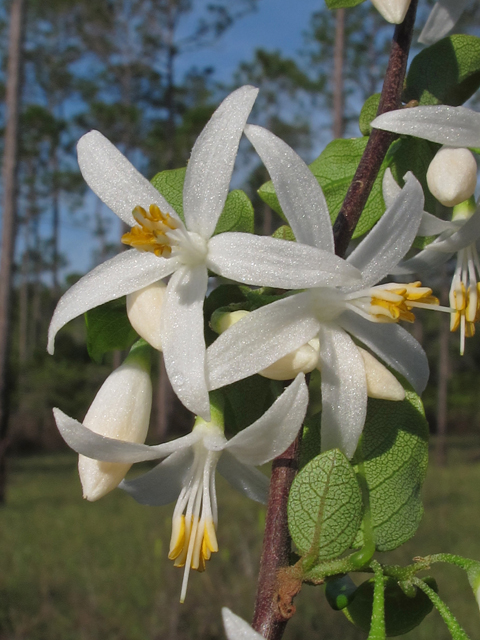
(72, 570)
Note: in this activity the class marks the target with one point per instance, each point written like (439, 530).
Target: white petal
(395, 346)
(244, 478)
(114, 179)
(182, 338)
(432, 226)
(92, 445)
(424, 262)
(344, 391)
(394, 11)
(275, 431)
(442, 18)
(162, 484)
(429, 225)
(467, 234)
(452, 126)
(271, 262)
(298, 191)
(210, 167)
(260, 339)
(236, 628)
(392, 236)
(129, 271)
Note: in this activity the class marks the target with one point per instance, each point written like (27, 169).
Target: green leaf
(401, 612)
(448, 72)
(334, 170)
(240, 413)
(394, 449)
(339, 4)
(325, 506)
(108, 328)
(284, 233)
(237, 214)
(368, 113)
(415, 155)
(170, 185)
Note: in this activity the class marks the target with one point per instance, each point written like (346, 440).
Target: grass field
(71, 570)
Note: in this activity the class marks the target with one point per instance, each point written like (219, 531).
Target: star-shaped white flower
(459, 236)
(236, 628)
(333, 312)
(188, 472)
(442, 19)
(165, 246)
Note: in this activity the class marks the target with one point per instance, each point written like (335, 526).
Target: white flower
(236, 628)
(460, 237)
(120, 410)
(165, 246)
(188, 473)
(451, 126)
(332, 312)
(380, 382)
(393, 11)
(442, 18)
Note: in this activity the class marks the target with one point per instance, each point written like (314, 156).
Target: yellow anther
(205, 543)
(150, 234)
(393, 302)
(177, 541)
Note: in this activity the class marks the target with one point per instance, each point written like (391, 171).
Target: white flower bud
(220, 322)
(144, 308)
(120, 410)
(393, 11)
(452, 176)
(302, 360)
(381, 383)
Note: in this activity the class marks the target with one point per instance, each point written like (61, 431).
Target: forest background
(148, 74)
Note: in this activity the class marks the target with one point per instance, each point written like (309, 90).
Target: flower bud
(144, 308)
(223, 320)
(452, 176)
(120, 410)
(393, 11)
(381, 383)
(302, 360)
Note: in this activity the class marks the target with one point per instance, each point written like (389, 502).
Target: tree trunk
(337, 79)
(10, 163)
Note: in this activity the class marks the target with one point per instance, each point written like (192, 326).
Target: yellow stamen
(394, 302)
(150, 234)
(177, 541)
(205, 542)
(466, 303)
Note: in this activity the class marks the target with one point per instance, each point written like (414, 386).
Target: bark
(10, 163)
(337, 79)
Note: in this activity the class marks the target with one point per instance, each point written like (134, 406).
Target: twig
(379, 141)
(268, 619)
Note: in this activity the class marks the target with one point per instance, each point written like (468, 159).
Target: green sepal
(447, 72)
(339, 591)
(402, 614)
(334, 170)
(392, 457)
(324, 507)
(108, 329)
(237, 214)
(368, 113)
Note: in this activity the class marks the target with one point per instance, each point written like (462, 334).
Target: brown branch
(379, 141)
(269, 619)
